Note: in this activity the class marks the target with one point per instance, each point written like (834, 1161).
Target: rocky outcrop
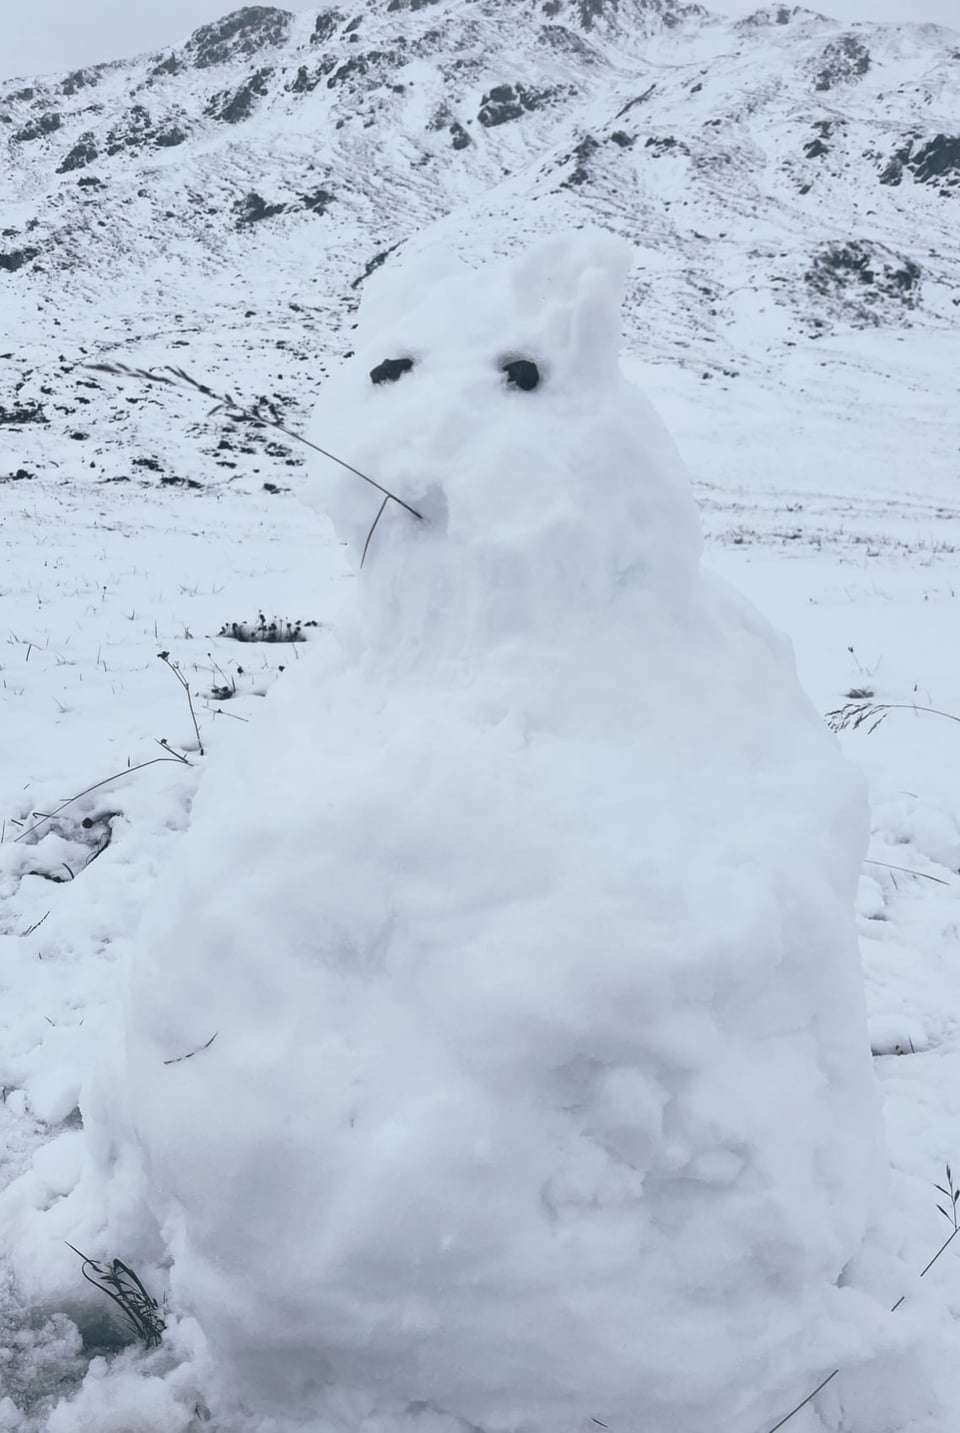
(245, 32)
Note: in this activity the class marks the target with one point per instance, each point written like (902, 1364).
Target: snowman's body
(540, 1092)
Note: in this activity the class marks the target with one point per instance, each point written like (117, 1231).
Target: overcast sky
(38, 36)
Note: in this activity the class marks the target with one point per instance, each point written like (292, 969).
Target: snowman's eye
(522, 373)
(390, 370)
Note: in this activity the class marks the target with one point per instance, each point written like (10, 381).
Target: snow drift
(540, 1091)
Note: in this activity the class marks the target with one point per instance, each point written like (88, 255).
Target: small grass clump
(277, 630)
(118, 1281)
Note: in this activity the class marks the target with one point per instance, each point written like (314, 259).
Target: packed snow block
(540, 1090)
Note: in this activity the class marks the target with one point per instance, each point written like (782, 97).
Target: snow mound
(497, 1044)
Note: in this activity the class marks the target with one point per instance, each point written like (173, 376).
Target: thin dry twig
(373, 528)
(128, 771)
(219, 711)
(36, 926)
(907, 872)
(97, 852)
(809, 1399)
(175, 669)
(854, 715)
(190, 1053)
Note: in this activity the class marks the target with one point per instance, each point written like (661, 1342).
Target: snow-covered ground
(829, 493)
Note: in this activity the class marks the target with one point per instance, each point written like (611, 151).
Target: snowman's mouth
(388, 496)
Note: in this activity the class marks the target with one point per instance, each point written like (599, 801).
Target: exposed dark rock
(232, 108)
(640, 99)
(13, 261)
(44, 124)
(937, 162)
(361, 64)
(660, 145)
(410, 4)
(137, 130)
(326, 23)
(171, 65)
(374, 264)
(84, 152)
(307, 80)
(937, 159)
(169, 138)
(861, 279)
(253, 208)
(318, 202)
(905, 278)
(79, 80)
(842, 62)
(444, 119)
(90, 181)
(840, 263)
(25, 413)
(16, 477)
(507, 102)
(892, 173)
(777, 15)
(625, 141)
(567, 42)
(586, 13)
(244, 32)
(816, 148)
(588, 10)
(582, 152)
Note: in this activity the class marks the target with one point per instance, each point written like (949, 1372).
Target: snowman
(540, 1097)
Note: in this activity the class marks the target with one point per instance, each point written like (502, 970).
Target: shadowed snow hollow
(540, 1090)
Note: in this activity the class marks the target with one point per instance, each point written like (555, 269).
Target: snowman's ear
(550, 274)
(596, 332)
(568, 293)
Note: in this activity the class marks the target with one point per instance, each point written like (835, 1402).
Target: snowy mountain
(218, 204)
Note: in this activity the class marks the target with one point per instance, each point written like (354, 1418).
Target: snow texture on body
(523, 919)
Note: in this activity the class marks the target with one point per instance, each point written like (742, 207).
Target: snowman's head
(492, 402)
